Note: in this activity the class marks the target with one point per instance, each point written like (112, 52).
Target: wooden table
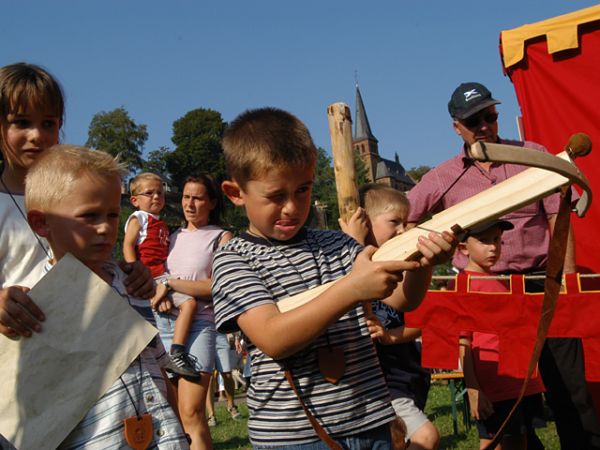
(458, 393)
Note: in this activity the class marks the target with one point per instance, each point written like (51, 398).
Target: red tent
(555, 68)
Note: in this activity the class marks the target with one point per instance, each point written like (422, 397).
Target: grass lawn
(232, 434)
(439, 412)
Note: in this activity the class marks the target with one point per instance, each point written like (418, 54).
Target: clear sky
(161, 59)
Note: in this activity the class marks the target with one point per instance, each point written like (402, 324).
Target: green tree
(197, 138)
(361, 170)
(157, 161)
(323, 191)
(416, 173)
(116, 133)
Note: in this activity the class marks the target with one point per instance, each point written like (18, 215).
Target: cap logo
(470, 95)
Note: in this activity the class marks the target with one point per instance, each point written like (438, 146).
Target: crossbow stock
(546, 175)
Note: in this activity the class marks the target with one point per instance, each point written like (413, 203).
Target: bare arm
(197, 288)
(129, 240)
(481, 407)
(282, 334)
(398, 335)
(569, 265)
(193, 288)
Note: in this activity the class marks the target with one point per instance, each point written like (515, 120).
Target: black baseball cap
(468, 99)
(503, 224)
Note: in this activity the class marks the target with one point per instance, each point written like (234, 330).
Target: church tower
(379, 170)
(364, 143)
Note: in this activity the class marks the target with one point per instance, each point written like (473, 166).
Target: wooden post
(340, 129)
(346, 184)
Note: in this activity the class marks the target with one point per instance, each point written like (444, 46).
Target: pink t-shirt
(525, 247)
(190, 258)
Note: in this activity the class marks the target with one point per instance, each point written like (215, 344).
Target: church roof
(362, 129)
(392, 169)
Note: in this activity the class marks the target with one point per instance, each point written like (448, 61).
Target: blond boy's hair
(378, 199)
(53, 174)
(264, 139)
(136, 182)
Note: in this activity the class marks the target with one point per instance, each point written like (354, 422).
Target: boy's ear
(134, 201)
(462, 247)
(37, 222)
(233, 192)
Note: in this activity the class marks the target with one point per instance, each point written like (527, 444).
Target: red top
(152, 247)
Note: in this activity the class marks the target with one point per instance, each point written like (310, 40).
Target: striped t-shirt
(250, 271)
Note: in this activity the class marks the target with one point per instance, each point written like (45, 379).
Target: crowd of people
(317, 381)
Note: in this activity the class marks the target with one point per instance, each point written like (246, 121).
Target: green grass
(439, 412)
(233, 434)
(230, 434)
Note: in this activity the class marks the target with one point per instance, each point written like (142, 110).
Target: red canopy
(554, 66)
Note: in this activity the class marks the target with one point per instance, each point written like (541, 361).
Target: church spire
(362, 129)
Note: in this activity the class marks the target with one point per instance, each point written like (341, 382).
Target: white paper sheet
(51, 380)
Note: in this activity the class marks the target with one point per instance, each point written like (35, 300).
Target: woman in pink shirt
(189, 264)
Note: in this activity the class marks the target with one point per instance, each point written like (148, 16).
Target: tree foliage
(416, 173)
(157, 161)
(323, 190)
(197, 138)
(116, 133)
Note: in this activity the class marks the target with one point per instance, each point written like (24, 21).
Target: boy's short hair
(136, 182)
(259, 140)
(377, 199)
(52, 175)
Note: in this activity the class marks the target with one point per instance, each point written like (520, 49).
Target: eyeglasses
(475, 121)
(150, 194)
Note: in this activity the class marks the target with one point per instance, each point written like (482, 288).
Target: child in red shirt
(147, 239)
(492, 395)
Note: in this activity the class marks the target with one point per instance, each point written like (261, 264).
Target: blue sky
(161, 59)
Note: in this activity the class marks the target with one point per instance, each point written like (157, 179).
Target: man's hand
(139, 281)
(19, 316)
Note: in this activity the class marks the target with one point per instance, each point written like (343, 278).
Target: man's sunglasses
(475, 121)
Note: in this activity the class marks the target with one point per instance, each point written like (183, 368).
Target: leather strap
(317, 427)
(552, 284)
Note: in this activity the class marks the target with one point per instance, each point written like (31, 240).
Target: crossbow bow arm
(579, 145)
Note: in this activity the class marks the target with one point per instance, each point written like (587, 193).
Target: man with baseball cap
(524, 248)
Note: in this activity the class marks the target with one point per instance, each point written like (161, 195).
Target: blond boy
(147, 239)
(73, 199)
(271, 160)
(381, 217)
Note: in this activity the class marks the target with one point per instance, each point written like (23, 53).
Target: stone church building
(379, 170)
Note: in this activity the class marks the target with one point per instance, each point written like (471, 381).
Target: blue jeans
(376, 439)
(200, 342)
